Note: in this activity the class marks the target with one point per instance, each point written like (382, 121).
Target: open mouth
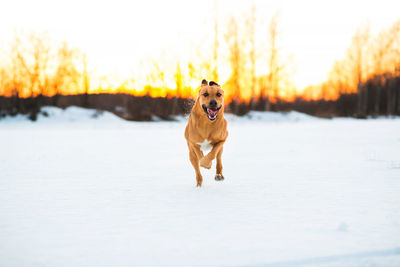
(212, 113)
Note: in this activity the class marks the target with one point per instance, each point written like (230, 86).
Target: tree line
(366, 82)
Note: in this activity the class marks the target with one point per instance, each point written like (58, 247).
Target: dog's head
(211, 99)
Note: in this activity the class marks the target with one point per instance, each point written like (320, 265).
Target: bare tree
(215, 75)
(393, 63)
(86, 81)
(357, 55)
(236, 61)
(251, 28)
(275, 66)
(338, 78)
(20, 69)
(3, 88)
(178, 80)
(66, 77)
(40, 51)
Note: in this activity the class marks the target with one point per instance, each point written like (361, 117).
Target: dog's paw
(199, 181)
(205, 163)
(219, 177)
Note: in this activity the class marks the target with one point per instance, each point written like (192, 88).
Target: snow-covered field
(299, 191)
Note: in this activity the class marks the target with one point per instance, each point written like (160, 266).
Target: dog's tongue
(212, 112)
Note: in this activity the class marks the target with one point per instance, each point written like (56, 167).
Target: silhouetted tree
(235, 51)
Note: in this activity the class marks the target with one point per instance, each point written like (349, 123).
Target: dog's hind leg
(218, 175)
(195, 162)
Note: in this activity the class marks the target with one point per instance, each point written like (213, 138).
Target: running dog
(207, 129)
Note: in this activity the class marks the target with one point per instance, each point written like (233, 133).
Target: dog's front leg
(206, 161)
(195, 154)
(218, 175)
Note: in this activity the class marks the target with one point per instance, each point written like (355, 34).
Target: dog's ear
(204, 82)
(213, 83)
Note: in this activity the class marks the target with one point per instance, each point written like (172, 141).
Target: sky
(123, 38)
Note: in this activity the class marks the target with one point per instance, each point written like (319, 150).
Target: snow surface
(298, 191)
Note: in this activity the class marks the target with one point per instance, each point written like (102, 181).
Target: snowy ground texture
(299, 191)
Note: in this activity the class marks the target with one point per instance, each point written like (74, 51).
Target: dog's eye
(205, 94)
(218, 94)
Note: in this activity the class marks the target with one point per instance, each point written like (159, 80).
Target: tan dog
(206, 128)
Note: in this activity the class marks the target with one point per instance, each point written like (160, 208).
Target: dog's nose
(213, 104)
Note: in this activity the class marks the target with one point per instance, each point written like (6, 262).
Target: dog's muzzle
(212, 113)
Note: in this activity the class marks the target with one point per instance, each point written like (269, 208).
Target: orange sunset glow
(279, 50)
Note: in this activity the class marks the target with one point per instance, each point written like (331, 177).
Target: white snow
(298, 191)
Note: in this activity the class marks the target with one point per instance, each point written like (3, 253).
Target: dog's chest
(205, 145)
